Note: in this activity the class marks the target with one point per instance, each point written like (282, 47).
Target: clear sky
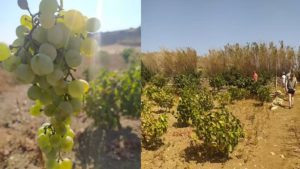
(113, 14)
(211, 24)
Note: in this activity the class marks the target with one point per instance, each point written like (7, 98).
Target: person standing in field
(291, 84)
(283, 77)
(255, 76)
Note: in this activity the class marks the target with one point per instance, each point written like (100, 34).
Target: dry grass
(171, 63)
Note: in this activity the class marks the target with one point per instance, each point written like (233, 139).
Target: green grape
(42, 81)
(18, 42)
(52, 154)
(4, 51)
(70, 132)
(35, 110)
(73, 58)
(26, 20)
(46, 98)
(34, 92)
(89, 47)
(43, 140)
(76, 89)
(60, 129)
(92, 25)
(61, 87)
(48, 50)
(42, 64)
(85, 84)
(50, 110)
(66, 35)
(24, 73)
(11, 63)
(48, 6)
(65, 108)
(52, 164)
(41, 130)
(47, 20)
(67, 144)
(55, 140)
(74, 43)
(76, 104)
(22, 31)
(54, 77)
(66, 164)
(55, 36)
(39, 34)
(74, 20)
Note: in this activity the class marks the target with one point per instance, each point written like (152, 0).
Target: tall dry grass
(171, 63)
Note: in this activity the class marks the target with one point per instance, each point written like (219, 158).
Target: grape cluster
(50, 45)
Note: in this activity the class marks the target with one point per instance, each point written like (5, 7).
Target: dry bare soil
(272, 141)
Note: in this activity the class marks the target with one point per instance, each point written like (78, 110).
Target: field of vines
(193, 118)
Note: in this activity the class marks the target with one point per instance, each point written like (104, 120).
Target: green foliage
(146, 74)
(153, 127)
(159, 80)
(129, 55)
(217, 82)
(238, 93)
(129, 92)
(101, 100)
(219, 130)
(186, 81)
(193, 101)
(264, 94)
(161, 96)
(224, 98)
(113, 94)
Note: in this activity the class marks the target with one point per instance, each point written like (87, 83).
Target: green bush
(217, 82)
(238, 93)
(219, 130)
(161, 96)
(101, 100)
(186, 81)
(159, 80)
(146, 74)
(264, 94)
(113, 94)
(192, 100)
(129, 91)
(224, 98)
(153, 127)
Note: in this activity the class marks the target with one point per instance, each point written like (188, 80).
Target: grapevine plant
(48, 49)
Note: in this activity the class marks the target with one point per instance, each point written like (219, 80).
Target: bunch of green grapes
(49, 46)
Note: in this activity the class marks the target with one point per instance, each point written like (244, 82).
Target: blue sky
(211, 24)
(113, 14)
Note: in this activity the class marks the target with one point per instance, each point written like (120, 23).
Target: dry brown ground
(272, 141)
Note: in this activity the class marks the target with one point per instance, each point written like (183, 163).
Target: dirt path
(272, 142)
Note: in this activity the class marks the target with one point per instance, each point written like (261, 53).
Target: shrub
(161, 96)
(190, 101)
(238, 93)
(146, 74)
(129, 91)
(152, 127)
(217, 82)
(224, 98)
(113, 94)
(101, 103)
(159, 80)
(219, 130)
(264, 94)
(186, 81)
